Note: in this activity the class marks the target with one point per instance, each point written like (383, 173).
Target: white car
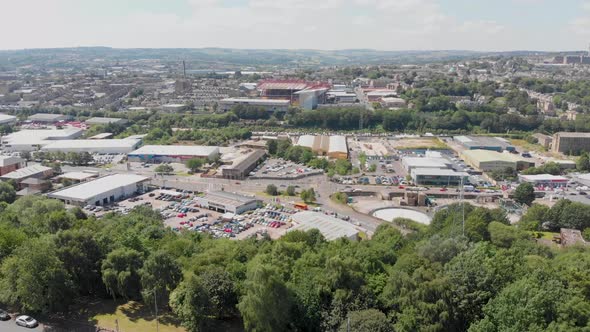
(26, 321)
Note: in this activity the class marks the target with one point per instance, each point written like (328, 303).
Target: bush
(272, 190)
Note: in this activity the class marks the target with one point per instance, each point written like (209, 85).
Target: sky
(481, 25)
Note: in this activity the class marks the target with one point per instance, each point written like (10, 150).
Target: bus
(301, 206)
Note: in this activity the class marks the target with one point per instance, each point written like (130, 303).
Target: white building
(411, 163)
(101, 146)
(102, 191)
(47, 117)
(223, 201)
(33, 140)
(332, 146)
(172, 153)
(104, 121)
(330, 227)
(7, 119)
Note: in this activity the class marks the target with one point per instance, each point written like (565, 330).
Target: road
(10, 326)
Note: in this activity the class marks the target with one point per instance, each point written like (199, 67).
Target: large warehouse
(102, 191)
(332, 146)
(242, 166)
(411, 163)
(33, 140)
(571, 143)
(7, 119)
(172, 153)
(104, 121)
(484, 143)
(269, 105)
(101, 146)
(488, 161)
(438, 177)
(48, 117)
(223, 201)
(330, 227)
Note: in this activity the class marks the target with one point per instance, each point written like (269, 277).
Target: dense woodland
(494, 278)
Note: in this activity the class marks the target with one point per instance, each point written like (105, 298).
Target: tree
(194, 164)
(272, 146)
(164, 169)
(190, 302)
(120, 273)
(369, 320)
(272, 190)
(372, 168)
(7, 193)
(34, 279)
(524, 193)
(308, 196)
(583, 163)
(291, 190)
(160, 275)
(266, 303)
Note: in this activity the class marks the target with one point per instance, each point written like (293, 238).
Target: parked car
(4, 315)
(26, 321)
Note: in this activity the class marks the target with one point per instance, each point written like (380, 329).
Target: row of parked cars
(22, 320)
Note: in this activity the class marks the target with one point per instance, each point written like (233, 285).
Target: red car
(402, 187)
(443, 189)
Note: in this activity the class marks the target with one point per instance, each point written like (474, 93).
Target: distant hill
(219, 57)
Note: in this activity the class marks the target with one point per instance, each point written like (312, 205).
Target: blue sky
(319, 24)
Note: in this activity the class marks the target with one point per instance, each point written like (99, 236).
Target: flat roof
(338, 144)
(426, 162)
(91, 144)
(6, 117)
(487, 155)
(10, 160)
(260, 101)
(572, 134)
(87, 190)
(228, 198)
(41, 136)
(46, 116)
(330, 227)
(176, 150)
(544, 177)
(77, 176)
(483, 141)
(26, 172)
(98, 120)
(438, 172)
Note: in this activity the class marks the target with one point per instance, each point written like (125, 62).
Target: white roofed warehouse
(330, 227)
(101, 146)
(172, 153)
(223, 201)
(334, 147)
(102, 191)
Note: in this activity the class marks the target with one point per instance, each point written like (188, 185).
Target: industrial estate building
(330, 227)
(488, 161)
(438, 177)
(332, 146)
(484, 143)
(172, 153)
(48, 117)
(545, 180)
(571, 143)
(411, 163)
(32, 140)
(38, 172)
(223, 201)
(270, 105)
(10, 164)
(543, 140)
(242, 166)
(7, 119)
(100, 146)
(104, 121)
(102, 191)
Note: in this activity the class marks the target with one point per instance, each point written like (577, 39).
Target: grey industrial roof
(46, 117)
(91, 144)
(483, 141)
(26, 172)
(176, 150)
(4, 118)
(438, 172)
(569, 134)
(330, 227)
(228, 198)
(87, 190)
(98, 120)
(77, 175)
(10, 160)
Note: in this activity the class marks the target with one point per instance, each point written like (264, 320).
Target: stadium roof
(87, 190)
(176, 150)
(330, 227)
